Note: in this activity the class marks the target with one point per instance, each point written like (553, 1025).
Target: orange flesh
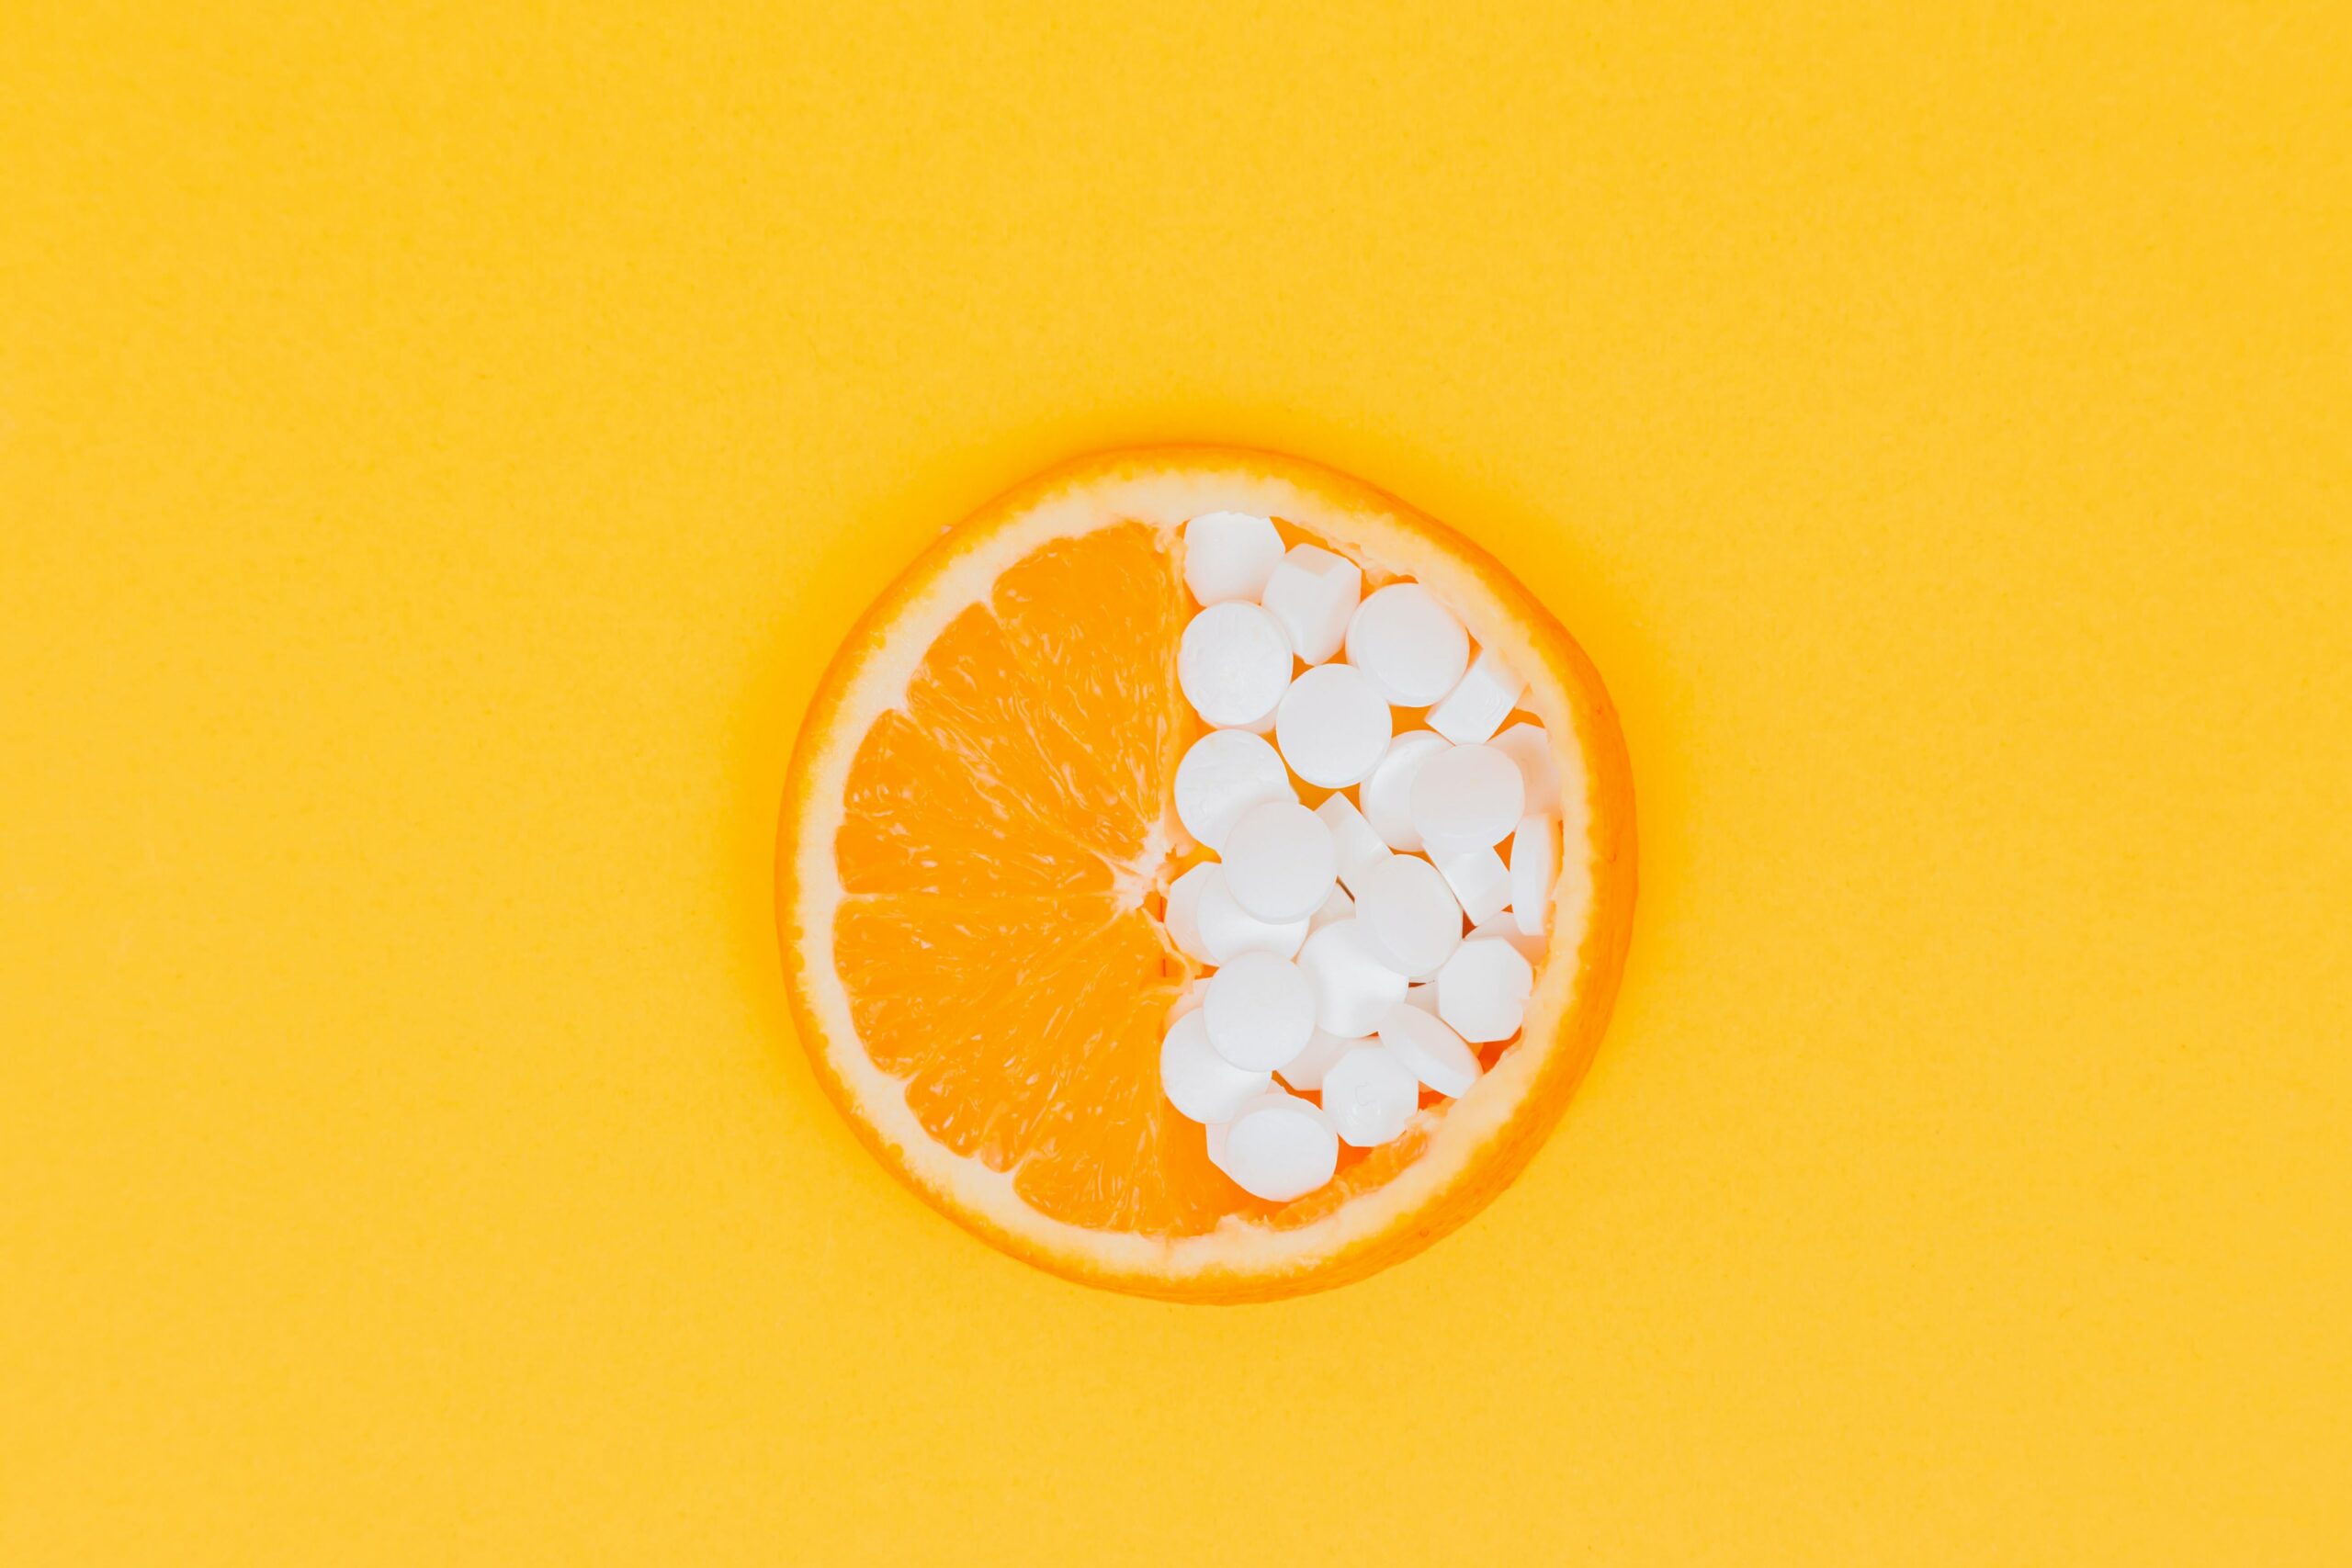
(989, 941)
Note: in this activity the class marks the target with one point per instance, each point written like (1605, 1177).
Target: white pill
(1481, 881)
(1535, 867)
(1529, 746)
(1502, 928)
(1388, 792)
(1189, 998)
(1183, 917)
(1430, 1051)
(1313, 594)
(1223, 774)
(1199, 1082)
(1259, 1010)
(1423, 996)
(1352, 986)
(1229, 554)
(1338, 906)
(1227, 930)
(1332, 726)
(1482, 990)
(1233, 663)
(1219, 1132)
(1466, 797)
(1370, 1094)
(1281, 1149)
(1280, 863)
(1305, 1071)
(1359, 847)
(1408, 915)
(1479, 702)
(1408, 643)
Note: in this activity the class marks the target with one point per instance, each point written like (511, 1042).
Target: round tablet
(1332, 726)
(1227, 930)
(1434, 1053)
(1531, 748)
(1183, 917)
(1481, 881)
(1482, 990)
(1259, 1010)
(1313, 592)
(1233, 663)
(1370, 1095)
(1502, 928)
(1189, 998)
(1335, 907)
(1354, 985)
(1199, 1082)
(1389, 792)
(1479, 702)
(1535, 867)
(1280, 862)
(1218, 1131)
(1305, 1071)
(1223, 774)
(1409, 915)
(1229, 554)
(1359, 847)
(1281, 1149)
(1466, 797)
(1409, 644)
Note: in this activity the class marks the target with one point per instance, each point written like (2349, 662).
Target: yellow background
(439, 445)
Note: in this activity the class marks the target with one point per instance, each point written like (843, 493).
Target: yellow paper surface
(440, 444)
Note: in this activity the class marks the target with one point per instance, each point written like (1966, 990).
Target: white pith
(1165, 500)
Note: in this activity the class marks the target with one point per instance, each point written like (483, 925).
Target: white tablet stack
(1365, 951)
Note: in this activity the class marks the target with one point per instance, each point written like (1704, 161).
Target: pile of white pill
(1362, 951)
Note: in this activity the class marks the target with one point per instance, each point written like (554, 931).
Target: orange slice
(976, 842)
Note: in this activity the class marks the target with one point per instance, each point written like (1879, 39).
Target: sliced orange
(975, 841)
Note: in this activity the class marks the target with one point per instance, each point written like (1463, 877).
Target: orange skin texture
(1601, 957)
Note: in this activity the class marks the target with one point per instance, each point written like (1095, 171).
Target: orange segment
(923, 820)
(977, 1006)
(1111, 1153)
(1097, 618)
(981, 699)
(919, 970)
(1026, 1026)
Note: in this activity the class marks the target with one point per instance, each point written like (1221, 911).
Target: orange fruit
(976, 842)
